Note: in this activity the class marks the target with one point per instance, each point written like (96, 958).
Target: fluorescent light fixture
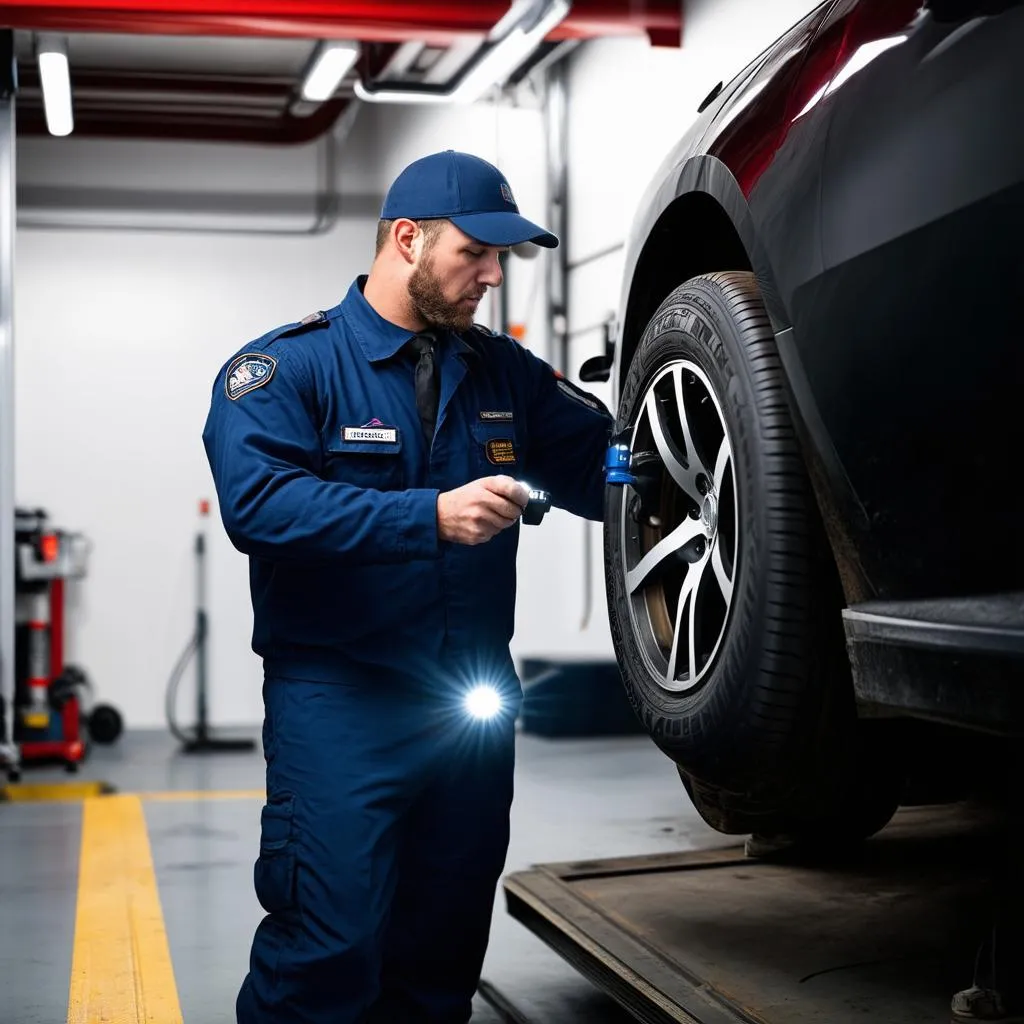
(515, 44)
(483, 702)
(498, 63)
(52, 54)
(332, 63)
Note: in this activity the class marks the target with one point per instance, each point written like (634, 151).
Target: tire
(758, 712)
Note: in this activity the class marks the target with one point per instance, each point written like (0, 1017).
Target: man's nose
(492, 275)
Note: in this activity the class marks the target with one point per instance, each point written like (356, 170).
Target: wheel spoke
(722, 464)
(685, 532)
(683, 477)
(694, 464)
(687, 604)
(724, 583)
(684, 602)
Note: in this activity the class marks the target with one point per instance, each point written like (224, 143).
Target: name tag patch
(500, 451)
(381, 435)
(247, 372)
(495, 416)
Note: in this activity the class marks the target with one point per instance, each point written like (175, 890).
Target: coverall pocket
(274, 872)
(366, 464)
(497, 448)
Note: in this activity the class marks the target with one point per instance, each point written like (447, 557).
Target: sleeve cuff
(416, 531)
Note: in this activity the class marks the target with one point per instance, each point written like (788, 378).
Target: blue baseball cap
(473, 194)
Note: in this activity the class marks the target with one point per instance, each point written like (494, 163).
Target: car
(814, 567)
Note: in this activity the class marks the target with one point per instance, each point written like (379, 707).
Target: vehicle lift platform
(886, 932)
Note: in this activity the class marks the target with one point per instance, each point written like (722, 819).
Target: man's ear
(408, 238)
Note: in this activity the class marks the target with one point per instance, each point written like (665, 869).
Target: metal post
(202, 733)
(203, 742)
(556, 123)
(8, 88)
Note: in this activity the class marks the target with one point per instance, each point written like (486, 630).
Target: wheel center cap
(709, 514)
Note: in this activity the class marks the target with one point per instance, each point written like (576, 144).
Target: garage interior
(204, 191)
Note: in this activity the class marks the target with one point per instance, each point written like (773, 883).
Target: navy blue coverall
(386, 823)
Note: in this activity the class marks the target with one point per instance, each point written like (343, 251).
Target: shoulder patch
(247, 372)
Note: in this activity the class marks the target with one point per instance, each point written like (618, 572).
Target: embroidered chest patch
(500, 451)
(247, 372)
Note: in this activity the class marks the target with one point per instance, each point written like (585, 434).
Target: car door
(908, 328)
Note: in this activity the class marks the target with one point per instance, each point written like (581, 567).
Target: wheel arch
(708, 206)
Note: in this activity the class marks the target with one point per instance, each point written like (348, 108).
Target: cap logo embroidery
(506, 194)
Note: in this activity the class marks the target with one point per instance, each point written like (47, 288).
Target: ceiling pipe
(183, 106)
(329, 205)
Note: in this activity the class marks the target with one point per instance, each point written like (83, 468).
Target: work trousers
(382, 842)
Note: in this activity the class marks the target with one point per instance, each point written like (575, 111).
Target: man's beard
(427, 296)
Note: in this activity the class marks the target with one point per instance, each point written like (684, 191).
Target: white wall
(629, 103)
(120, 332)
(119, 337)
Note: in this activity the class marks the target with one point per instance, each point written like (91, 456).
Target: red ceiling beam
(366, 20)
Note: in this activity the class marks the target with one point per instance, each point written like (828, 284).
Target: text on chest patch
(383, 435)
(501, 451)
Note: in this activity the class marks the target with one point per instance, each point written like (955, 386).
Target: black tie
(427, 389)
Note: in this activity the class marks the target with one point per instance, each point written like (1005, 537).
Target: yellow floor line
(204, 794)
(121, 968)
(31, 792)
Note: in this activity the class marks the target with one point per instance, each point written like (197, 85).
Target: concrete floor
(575, 799)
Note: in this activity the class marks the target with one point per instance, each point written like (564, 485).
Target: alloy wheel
(679, 527)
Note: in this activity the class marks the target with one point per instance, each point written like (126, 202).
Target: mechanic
(370, 461)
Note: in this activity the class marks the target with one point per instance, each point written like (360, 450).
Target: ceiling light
(332, 63)
(514, 47)
(52, 54)
(510, 45)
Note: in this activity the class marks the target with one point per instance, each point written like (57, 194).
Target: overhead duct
(233, 70)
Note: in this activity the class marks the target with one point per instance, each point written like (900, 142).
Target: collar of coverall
(379, 338)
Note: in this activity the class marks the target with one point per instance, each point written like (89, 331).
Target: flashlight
(538, 504)
(483, 702)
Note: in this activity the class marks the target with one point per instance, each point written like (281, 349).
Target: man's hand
(480, 510)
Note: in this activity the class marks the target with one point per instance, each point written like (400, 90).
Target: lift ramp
(888, 932)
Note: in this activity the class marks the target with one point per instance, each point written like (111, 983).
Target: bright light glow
(494, 67)
(483, 702)
(55, 77)
(332, 64)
